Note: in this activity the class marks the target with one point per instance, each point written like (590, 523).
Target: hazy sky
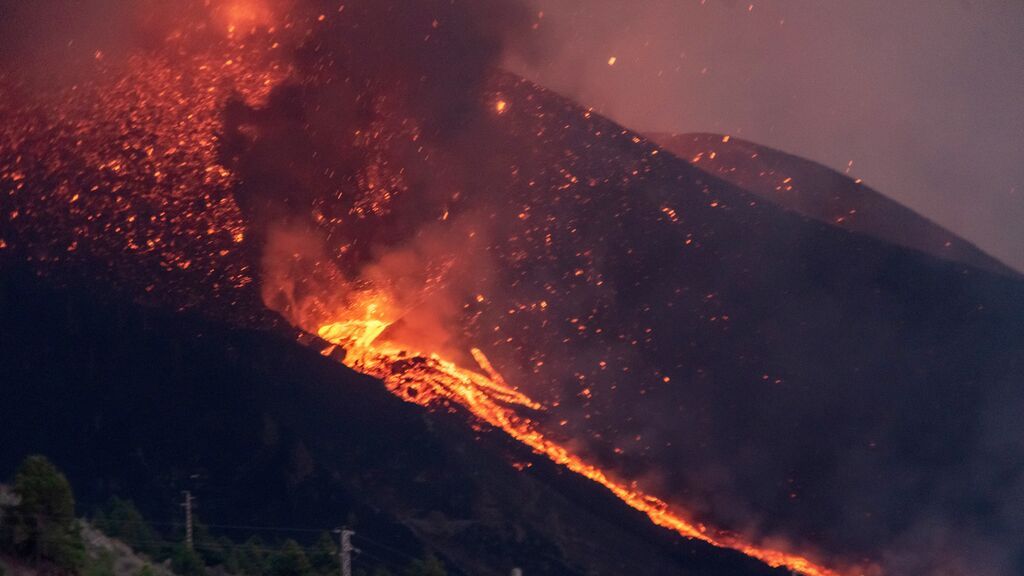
(925, 97)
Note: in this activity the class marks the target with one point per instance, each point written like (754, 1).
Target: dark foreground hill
(821, 193)
(141, 403)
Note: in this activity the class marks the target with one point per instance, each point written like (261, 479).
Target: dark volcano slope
(772, 373)
(141, 403)
(819, 192)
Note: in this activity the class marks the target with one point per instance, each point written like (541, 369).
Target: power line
(176, 523)
(378, 561)
(386, 547)
(240, 545)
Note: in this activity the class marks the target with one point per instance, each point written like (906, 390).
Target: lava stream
(428, 379)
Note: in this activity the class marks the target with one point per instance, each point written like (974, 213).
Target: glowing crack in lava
(428, 379)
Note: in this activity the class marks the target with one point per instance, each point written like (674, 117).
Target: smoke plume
(376, 154)
(770, 375)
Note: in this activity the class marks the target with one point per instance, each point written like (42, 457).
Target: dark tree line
(38, 525)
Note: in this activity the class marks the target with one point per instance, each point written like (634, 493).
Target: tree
(186, 562)
(250, 558)
(323, 556)
(429, 566)
(103, 565)
(290, 561)
(212, 550)
(122, 520)
(43, 524)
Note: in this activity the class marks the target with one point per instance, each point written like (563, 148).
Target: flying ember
(345, 185)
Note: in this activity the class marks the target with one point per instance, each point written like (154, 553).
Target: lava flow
(126, 170)
(429, 380)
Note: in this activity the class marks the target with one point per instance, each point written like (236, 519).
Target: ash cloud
(377, 151)
(61, 31)
(49, 43)
(379, 82)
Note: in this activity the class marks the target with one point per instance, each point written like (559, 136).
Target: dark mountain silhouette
(819, 192)
(142, 403)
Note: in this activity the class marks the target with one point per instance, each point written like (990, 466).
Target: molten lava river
(428, 379)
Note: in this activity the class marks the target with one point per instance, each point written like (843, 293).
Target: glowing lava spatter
(126, 168)
(428, 379)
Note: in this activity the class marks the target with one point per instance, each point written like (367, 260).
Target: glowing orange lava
(129, 164)
(428, 379)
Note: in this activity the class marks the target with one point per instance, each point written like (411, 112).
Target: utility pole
(345, 551)
(187, 504)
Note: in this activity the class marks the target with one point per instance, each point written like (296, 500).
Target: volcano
(142, 403)
(822, 399)
(823, 194)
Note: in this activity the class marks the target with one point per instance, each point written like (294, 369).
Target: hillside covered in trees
(40, 533)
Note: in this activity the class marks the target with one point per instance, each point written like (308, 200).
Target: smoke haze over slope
(923, 97)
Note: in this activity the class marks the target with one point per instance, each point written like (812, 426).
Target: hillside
(141, 403)
(823, 194)
(123, 561)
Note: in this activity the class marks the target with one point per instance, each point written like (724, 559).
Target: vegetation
(429, 566)
(122, 520)
(251, 557)
(186, 562)
(41, 527)
(290, 561)
(323, 557)
(103, 565)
